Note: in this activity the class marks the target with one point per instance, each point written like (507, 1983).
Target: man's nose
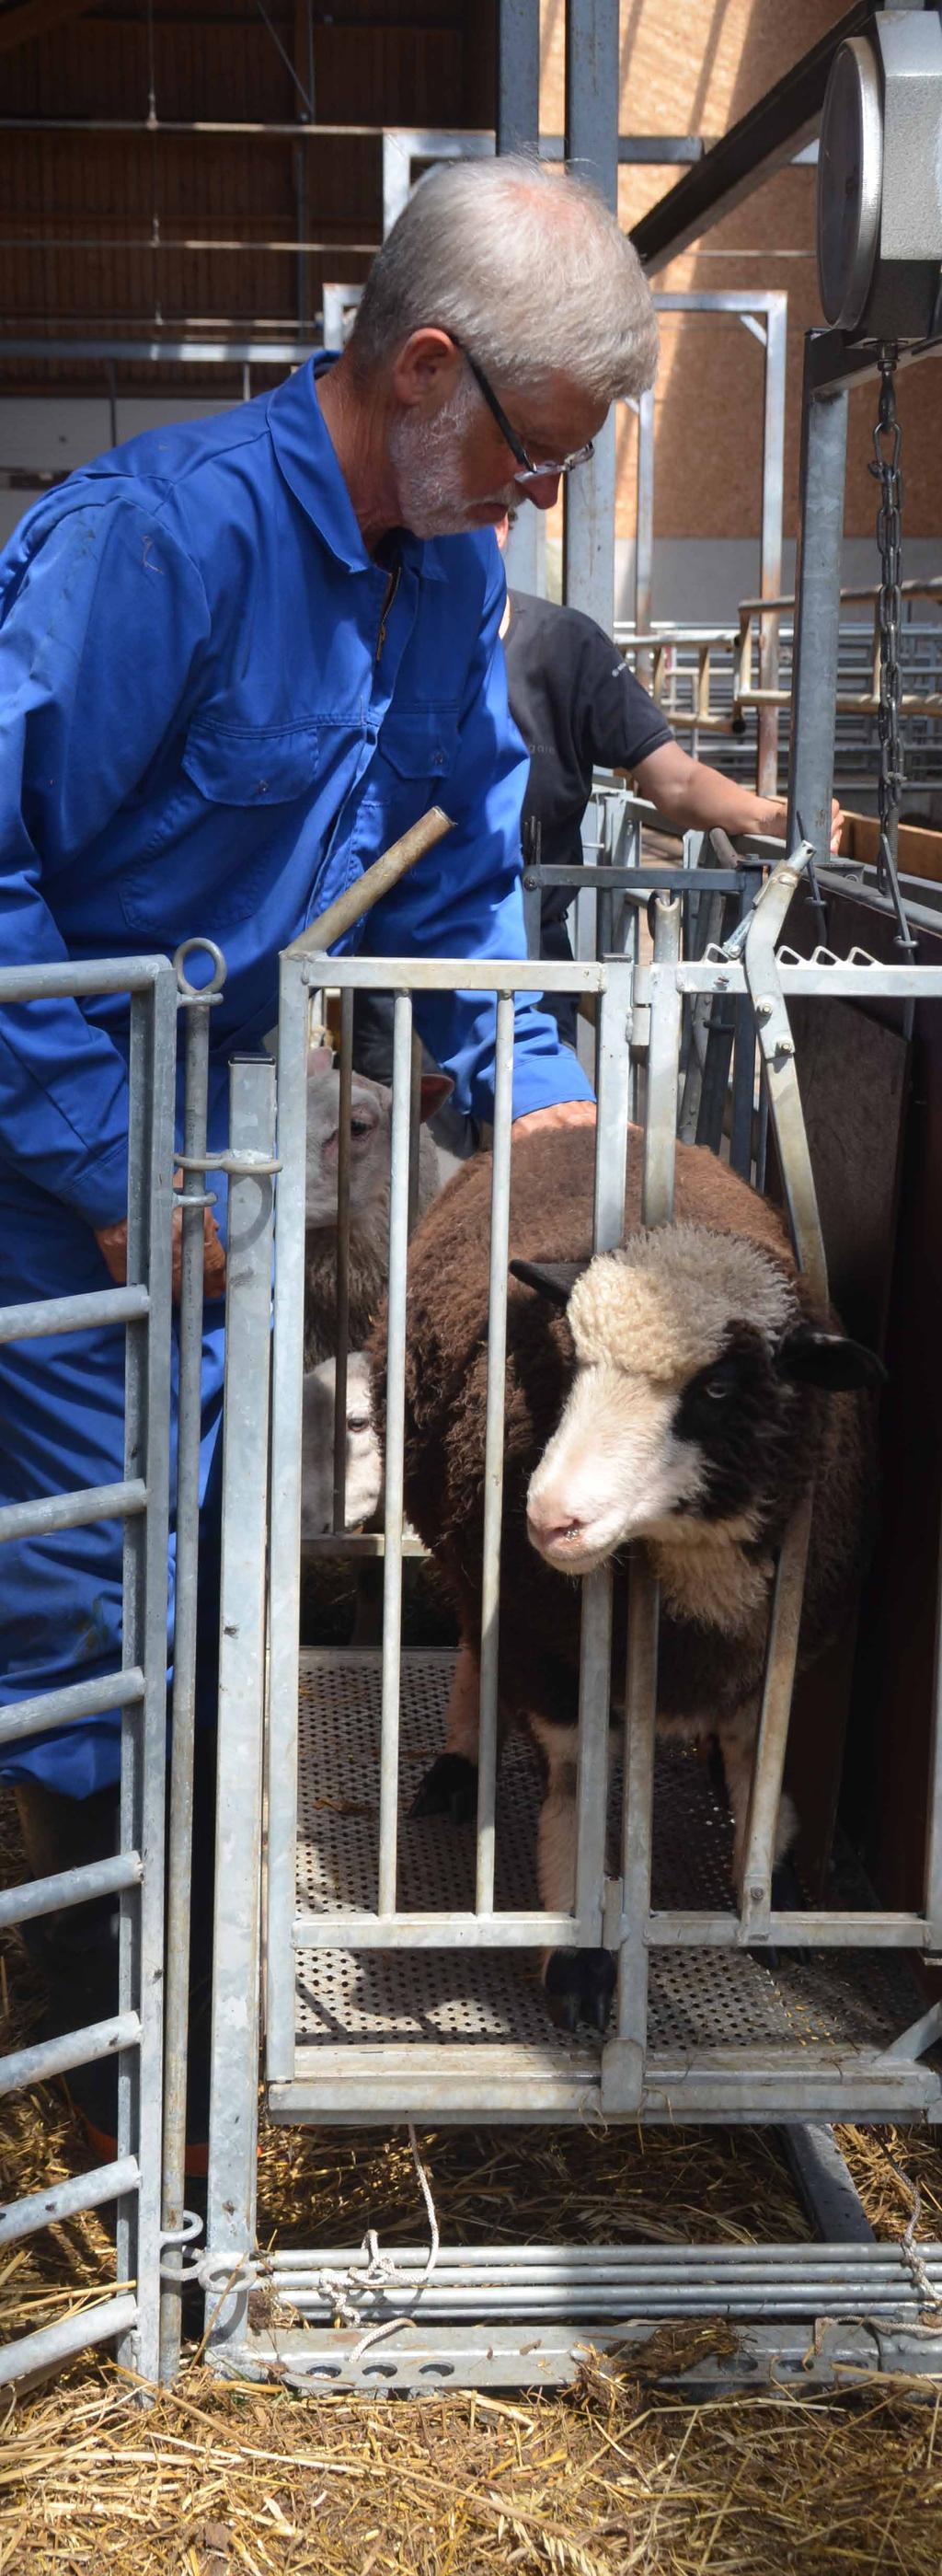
(542, 490)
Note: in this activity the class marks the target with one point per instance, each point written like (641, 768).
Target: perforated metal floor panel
(699, 2000)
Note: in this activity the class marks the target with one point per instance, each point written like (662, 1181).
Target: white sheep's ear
(553, 1279)
(320, 1059)
(830, 1361)
(434, 1090)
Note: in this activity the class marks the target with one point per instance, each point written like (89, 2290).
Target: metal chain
(886, 469)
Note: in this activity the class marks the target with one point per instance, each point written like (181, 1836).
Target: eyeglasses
(527, 470)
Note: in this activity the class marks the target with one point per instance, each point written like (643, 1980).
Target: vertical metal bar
(344, 1113)
(769, 1756)
(395, 1427)
(623, 2061)
(608, 1222)
(415, 1130)
(532, 897)
(660, 1131)
(744, 1057)
(770, 558)
(591, 144)
(494, 1451)
(234, 2048)
(180, 1839)
(933, 1873)
(144, 1728)
(518, 74)
(644, 527)
(817, 614)
(285, 1560)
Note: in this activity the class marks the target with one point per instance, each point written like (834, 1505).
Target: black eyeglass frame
(528, 471)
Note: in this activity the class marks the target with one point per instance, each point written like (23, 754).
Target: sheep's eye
(721, 1382)
(358, 1422)
(361, 1126)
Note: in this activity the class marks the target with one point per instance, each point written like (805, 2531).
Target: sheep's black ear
(553, 1279)
(827, 1360)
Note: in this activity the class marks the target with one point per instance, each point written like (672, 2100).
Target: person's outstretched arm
(687, 792)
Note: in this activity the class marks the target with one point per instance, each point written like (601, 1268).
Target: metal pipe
(817, 619)
(49, 2057)
(35, 2354)
(69, 1887)
(591, 146)
(180, 1853)
(71, 1314)
(236, 1921)
(284, 1543)
(147, 1411)
(76, 1700)
(770, 552)
(370, 888)
(72, 1511)
(395, 1435)
(494, 1450)
(67, 2199)
(344, 1115)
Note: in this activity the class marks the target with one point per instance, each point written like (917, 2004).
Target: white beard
(426, 458)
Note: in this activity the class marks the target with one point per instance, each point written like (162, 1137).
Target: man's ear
(831, 1361)
(553, 1279)
(426, 368)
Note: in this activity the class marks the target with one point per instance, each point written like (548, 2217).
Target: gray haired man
(313, 580)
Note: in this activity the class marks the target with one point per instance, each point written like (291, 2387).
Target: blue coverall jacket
(215, 710)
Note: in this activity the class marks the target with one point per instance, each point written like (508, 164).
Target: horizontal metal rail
(76, 2048)
(70, 1887)
(449, 1931)
(72, 1314)
(50, 2345)
(71, 1511)
(79, 978)
(76, 1700)
(68, 2199)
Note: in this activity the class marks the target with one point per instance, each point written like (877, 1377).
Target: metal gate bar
(134, 2031)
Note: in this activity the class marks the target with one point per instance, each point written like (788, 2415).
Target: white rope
(929, 2297)
(346, 2290)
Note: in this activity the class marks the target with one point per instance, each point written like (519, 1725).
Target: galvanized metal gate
(394, 1949)
(134, 2034)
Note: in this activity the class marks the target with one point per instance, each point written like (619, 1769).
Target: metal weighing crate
(400, 1981)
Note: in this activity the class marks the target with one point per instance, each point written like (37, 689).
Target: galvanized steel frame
(135, 2033)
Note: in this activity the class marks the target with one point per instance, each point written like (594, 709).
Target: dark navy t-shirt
(578, 707)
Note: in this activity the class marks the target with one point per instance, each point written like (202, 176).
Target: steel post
(770, 555)
(592, 93)
(235, 2015)
(817, 615)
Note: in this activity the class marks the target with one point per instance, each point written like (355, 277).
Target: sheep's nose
(549, 1525)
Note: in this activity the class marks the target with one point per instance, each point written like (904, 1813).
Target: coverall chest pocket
(414, 753)
(224, 829)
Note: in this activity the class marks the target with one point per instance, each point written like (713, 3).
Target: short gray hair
(526, 267)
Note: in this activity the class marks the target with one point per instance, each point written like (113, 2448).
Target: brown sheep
(679, 1392)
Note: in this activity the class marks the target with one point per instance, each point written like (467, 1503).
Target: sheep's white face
(364, 1467)
(676, 1406)
(370, 1119)
(615, 1470)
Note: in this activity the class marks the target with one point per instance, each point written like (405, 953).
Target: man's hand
(112, 1241)
(773, 812)
(564, 1113)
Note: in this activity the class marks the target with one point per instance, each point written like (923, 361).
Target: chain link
(887, 471)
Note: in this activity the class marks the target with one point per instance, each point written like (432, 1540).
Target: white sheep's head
(370, 1131)
(364, 1482)
(690, 1350)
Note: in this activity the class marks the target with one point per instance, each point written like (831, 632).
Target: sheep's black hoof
(450, 1789)
(579, 1987)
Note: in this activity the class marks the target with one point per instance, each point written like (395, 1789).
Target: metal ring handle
(206, 948)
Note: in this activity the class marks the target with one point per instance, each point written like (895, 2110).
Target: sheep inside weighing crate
(680, 1393)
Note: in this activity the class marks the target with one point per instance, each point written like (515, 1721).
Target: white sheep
(364, 1480)
(370, 1132)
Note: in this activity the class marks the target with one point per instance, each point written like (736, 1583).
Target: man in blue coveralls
(237, 659)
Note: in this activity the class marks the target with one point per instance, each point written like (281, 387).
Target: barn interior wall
(143, 229)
